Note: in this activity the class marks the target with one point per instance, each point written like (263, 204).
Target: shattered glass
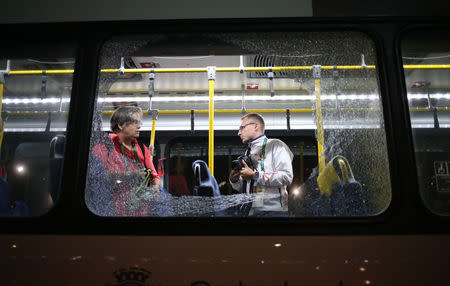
(354, 139)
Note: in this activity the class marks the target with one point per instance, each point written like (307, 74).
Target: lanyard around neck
(263, 152)
(125, 157)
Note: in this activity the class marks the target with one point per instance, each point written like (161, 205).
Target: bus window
(34, 102)
(426, 63)
(319, 116)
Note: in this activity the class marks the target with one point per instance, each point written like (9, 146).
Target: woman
(126, 163)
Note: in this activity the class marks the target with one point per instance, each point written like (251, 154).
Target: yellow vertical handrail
(211, 79)
(154, 113)
(152, 138)
(319, 122)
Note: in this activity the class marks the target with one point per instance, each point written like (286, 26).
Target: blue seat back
(205, 183)
(16, 208)
(56, 160)
(20, 209)
(349, 199)
(4, 198)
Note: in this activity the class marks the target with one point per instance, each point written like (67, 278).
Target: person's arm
(149, 164)
(281, 173)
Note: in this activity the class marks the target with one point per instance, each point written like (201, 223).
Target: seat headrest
(57, 147)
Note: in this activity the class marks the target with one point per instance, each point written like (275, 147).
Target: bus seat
(4, 198)
(20, 208)
(56, 155)
(205, 183)
(17, 208)
(341, 194)
(32, 185)
(57, 147)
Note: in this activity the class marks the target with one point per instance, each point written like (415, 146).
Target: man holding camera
(265, 170)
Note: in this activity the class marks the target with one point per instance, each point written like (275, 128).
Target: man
(272, 173)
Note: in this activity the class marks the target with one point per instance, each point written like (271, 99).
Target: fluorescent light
(268, 127)
(425, 96)
(24, 129)
(35, 100)
(238, 98)
(57, 100)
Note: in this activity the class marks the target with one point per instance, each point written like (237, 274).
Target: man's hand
(246, 172)
(234, 175)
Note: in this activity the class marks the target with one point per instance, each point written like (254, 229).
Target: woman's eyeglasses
(136, 122)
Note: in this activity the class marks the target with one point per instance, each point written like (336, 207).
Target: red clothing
(113, 160)
(178, 185)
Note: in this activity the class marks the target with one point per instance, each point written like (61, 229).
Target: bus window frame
(403, 33)
(399, 218)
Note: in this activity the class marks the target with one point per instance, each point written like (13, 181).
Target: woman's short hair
(124, 115)
(256, 117)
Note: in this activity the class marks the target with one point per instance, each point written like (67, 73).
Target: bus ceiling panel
(314, 47)
(247, 60)
(36, 123)
(197, 82)
(31, 62)
(420, 80)
(428, 120)
(31, 85)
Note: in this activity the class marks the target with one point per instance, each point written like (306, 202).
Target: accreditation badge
(259, 199)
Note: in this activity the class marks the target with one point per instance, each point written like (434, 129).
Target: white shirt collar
(256, 141)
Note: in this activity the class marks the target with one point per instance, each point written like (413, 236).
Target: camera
(237, 164)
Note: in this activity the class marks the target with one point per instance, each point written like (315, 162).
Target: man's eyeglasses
(243, 126)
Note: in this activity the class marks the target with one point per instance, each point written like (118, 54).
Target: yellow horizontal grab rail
(225, 69)
(196, 70)
(235, 69)
(226, 111)
(30, 72)
(408, 67)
